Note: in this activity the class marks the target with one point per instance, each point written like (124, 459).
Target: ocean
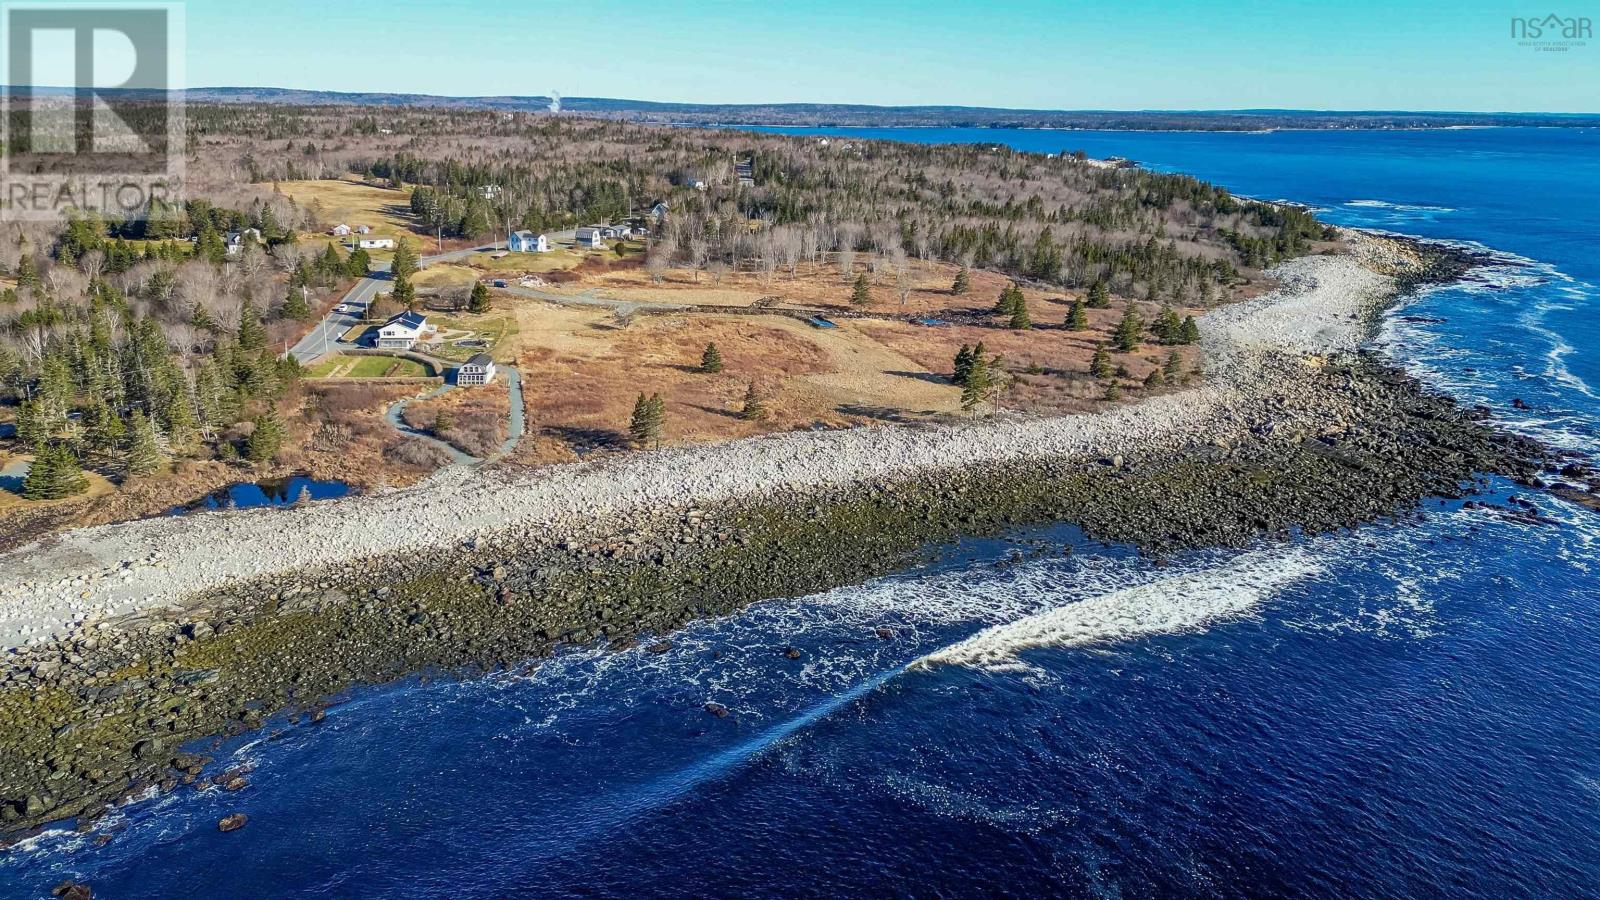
(1404, 710)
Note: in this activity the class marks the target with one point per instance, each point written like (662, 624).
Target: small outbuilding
(590, 236)
(340, 230)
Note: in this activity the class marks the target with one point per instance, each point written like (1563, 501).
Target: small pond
(272, 492)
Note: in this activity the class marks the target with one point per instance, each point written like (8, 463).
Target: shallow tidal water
(1404, 710)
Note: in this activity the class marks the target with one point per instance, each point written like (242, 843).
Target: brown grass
(478, 417)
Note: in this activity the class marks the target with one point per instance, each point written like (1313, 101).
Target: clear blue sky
(1361, 54)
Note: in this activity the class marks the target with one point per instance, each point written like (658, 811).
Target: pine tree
(1168, 327)
(963, 282)
(1173, 366)
(1077, 316)
(1113, 391)
(711, 360)
(1100, 365)
(480, 299)
(1010, 296)
(28, 271)
(1128, 330)
(649, 415)
(295, 305)
(55, 474)
(977, 385)
(963, 366)
(1099, 296)
(403, 293)
(1155, 379)
(358, 264)
(405, 260)
(1191, 330)
(144, 448)
(266, 439)
(252, 334)
(754, 409)
(861, 294)
(1019, 315)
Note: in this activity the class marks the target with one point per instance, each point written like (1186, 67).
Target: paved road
(325, 336)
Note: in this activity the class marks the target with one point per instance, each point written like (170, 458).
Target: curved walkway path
(515, 425)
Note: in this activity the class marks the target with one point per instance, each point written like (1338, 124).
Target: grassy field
(339, 366)
(387, 212)
(443, 275)
(513, 264)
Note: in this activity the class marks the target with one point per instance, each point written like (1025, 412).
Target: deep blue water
(278, 492)
(1409, 710)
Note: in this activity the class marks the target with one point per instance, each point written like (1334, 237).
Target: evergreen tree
(405, 260)
(1128, 330)
(977, 385)
(1113, 391)
(1019, 315)
(754, 409)
(55, 474)
(1100, 365)
(1010, 298)
(711, 360)
(649, 415)
(1099, 296)
(358, 264)
(403, 293)
(252, 334)
(1168, 327)
(144, 446)
(861, 294)
(1077, 316)
(1173, 366)
(963, 282)
(963, 366)
(295, 305)
(28, 271)
(480, 299)
(1191, 330)
(266, 439)
(1155, 379)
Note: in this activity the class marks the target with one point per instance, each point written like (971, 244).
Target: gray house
(477, 370)
(590, 236)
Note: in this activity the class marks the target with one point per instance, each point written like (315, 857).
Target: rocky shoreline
(1304, 434)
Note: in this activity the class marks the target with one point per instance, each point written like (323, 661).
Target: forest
(124, 344)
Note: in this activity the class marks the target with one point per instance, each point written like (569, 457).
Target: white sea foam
(1402, 207)
(1180, 603)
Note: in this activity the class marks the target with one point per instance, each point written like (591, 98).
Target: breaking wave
(1171, 605)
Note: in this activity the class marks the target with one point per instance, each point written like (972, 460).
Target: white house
(376, 243)
(477, 370)
(363, 229)
(340, 230)
(236, 240)
(591, 237)
(528, 242)
(402, 331)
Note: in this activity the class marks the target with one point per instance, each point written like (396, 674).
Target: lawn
(340, 366)
(517, 263)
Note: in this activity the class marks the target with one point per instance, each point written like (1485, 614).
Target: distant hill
(861, 115)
